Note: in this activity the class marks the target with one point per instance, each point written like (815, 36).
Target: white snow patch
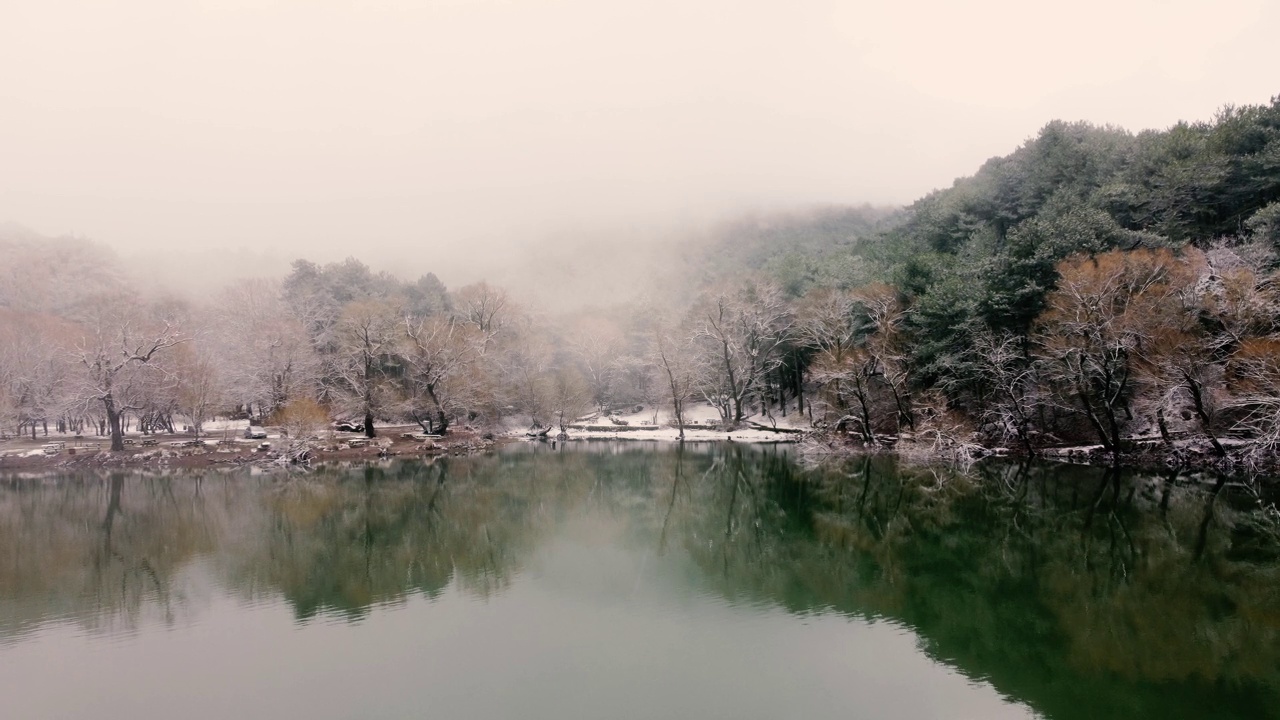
(640, 426)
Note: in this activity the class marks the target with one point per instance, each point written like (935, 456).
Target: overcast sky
(374, 126)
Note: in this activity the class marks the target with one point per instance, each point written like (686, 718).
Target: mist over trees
(1094, 286)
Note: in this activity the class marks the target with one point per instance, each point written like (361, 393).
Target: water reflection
(1082, 592)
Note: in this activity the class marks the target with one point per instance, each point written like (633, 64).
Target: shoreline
(1147, 454)
(182, 452)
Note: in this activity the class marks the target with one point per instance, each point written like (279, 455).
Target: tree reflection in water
(1084, 592)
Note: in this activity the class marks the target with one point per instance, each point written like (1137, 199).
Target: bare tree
(1179, 359)
(439, 348)
(33, 371)
(886, 344)
(825, 322)
(855, 374)
(567, 394)
(115, 354)
(1254, 370)
(861, 354)
(198, 391)
(13, 370)
(739, 332)
(679, 371)
(637, 380)
(266, 356)
(484, 306)
(1012, 382)
(366, 336)
(1097, 321)
(525, 363)
(597, 344)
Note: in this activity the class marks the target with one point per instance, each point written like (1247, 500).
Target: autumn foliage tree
(1104, 312)
(862, 360)
(301, 419)
(887, 344)
(1255, 371)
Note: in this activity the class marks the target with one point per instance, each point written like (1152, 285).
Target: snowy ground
(218, 426)
(222, 429)
(700, 425)
(701, 420)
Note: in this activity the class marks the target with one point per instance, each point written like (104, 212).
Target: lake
(613, 580)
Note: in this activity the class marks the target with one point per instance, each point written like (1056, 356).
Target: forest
(1094, 287)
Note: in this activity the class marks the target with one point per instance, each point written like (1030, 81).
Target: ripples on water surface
(626, 581)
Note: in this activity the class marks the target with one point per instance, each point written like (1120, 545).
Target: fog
(462, 137)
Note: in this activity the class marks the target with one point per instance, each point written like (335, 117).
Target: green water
(624, 581)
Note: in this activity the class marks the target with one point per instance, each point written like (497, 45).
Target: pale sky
(384, 127)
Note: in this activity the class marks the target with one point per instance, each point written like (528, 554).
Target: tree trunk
(800, 391)
(677, 402)
(1164, 428)
(782, 390)
(1114, 424)
(867, 434)
(1094, 421)
(368, 424)
(1197, 399)
(113, 420)
(904, 408)
(441, 420)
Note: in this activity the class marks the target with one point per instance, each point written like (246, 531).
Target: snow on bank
(670, 434)
(700, 425)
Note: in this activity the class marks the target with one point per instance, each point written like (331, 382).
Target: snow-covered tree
(739, 332)
(117, 355)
